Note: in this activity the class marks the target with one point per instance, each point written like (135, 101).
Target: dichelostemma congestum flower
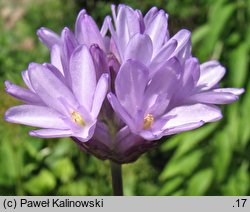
(153, 84)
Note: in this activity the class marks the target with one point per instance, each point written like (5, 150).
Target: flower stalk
(116, 172)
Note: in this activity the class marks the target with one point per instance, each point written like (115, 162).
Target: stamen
(77, 118)
(148, 121)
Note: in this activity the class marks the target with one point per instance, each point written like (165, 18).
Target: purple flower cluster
(153, 84)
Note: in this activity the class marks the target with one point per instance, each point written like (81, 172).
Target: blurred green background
(212, 160)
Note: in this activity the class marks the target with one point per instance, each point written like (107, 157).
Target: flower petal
(83, 76)
(191, 73)
(164, 54)
(26, 79)
(211, 73)
(105, 26)
(150, 15)
(100, 60)
(161, 88)
(86, 132)
(132, 21)
(68, 46)
(139, 48)
(87, 31)
(115, 44)
(193, 114)
(157, 30)
(50, 133)
(55, 57)
(37, 116)
(183, 128)
(127, 25)
(130, 85)
(49, 88)
(235, 91)
(141, 20)
(212, 97)
(22, 94)
(55, 71)
(48, 37)
(100, 94)
(117, 107)
(102, 134)
(156, 130)
(183, 49)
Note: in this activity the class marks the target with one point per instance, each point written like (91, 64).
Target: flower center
(77, 118)
(148, 121)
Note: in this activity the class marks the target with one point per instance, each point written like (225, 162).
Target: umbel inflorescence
(117, 90)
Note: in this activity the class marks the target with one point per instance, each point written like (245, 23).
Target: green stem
(116, 172)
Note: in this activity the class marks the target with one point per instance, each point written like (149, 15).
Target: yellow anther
(148, 121)
(77, 118)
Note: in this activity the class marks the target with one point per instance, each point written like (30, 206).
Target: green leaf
(63, 169)
(233, 126)
(200, 182)
(222, 155)
(33, 147)
(182, 166)
(78, 188)
(8, 172)
(245, 121)
(199, 34)
(192, 139)
(219, 16)
(172, 142)
(238, 64)
(239, 182)
(41, 184)
(179, 193)
(171, 185)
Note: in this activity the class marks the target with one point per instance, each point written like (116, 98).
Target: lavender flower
(156, 88)
(166, 90)
(52, 104)
(200, 84)
(176, 99)
(61, 47)
(146, 39)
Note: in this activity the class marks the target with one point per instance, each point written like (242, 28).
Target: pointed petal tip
(186, 31)
(33, 133)
(219, 117)
(48, 37)
(193, 60)
(33, 65)
(240, 91)
(109, 96)
(80, 48)
(7, 84)
(234, 91)
(82, 11)
(174, 59)
(6, 116)
(65, 31)
(81, 14)
(108, 18)
(105, 76)
(40, 31)
(94, 47)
